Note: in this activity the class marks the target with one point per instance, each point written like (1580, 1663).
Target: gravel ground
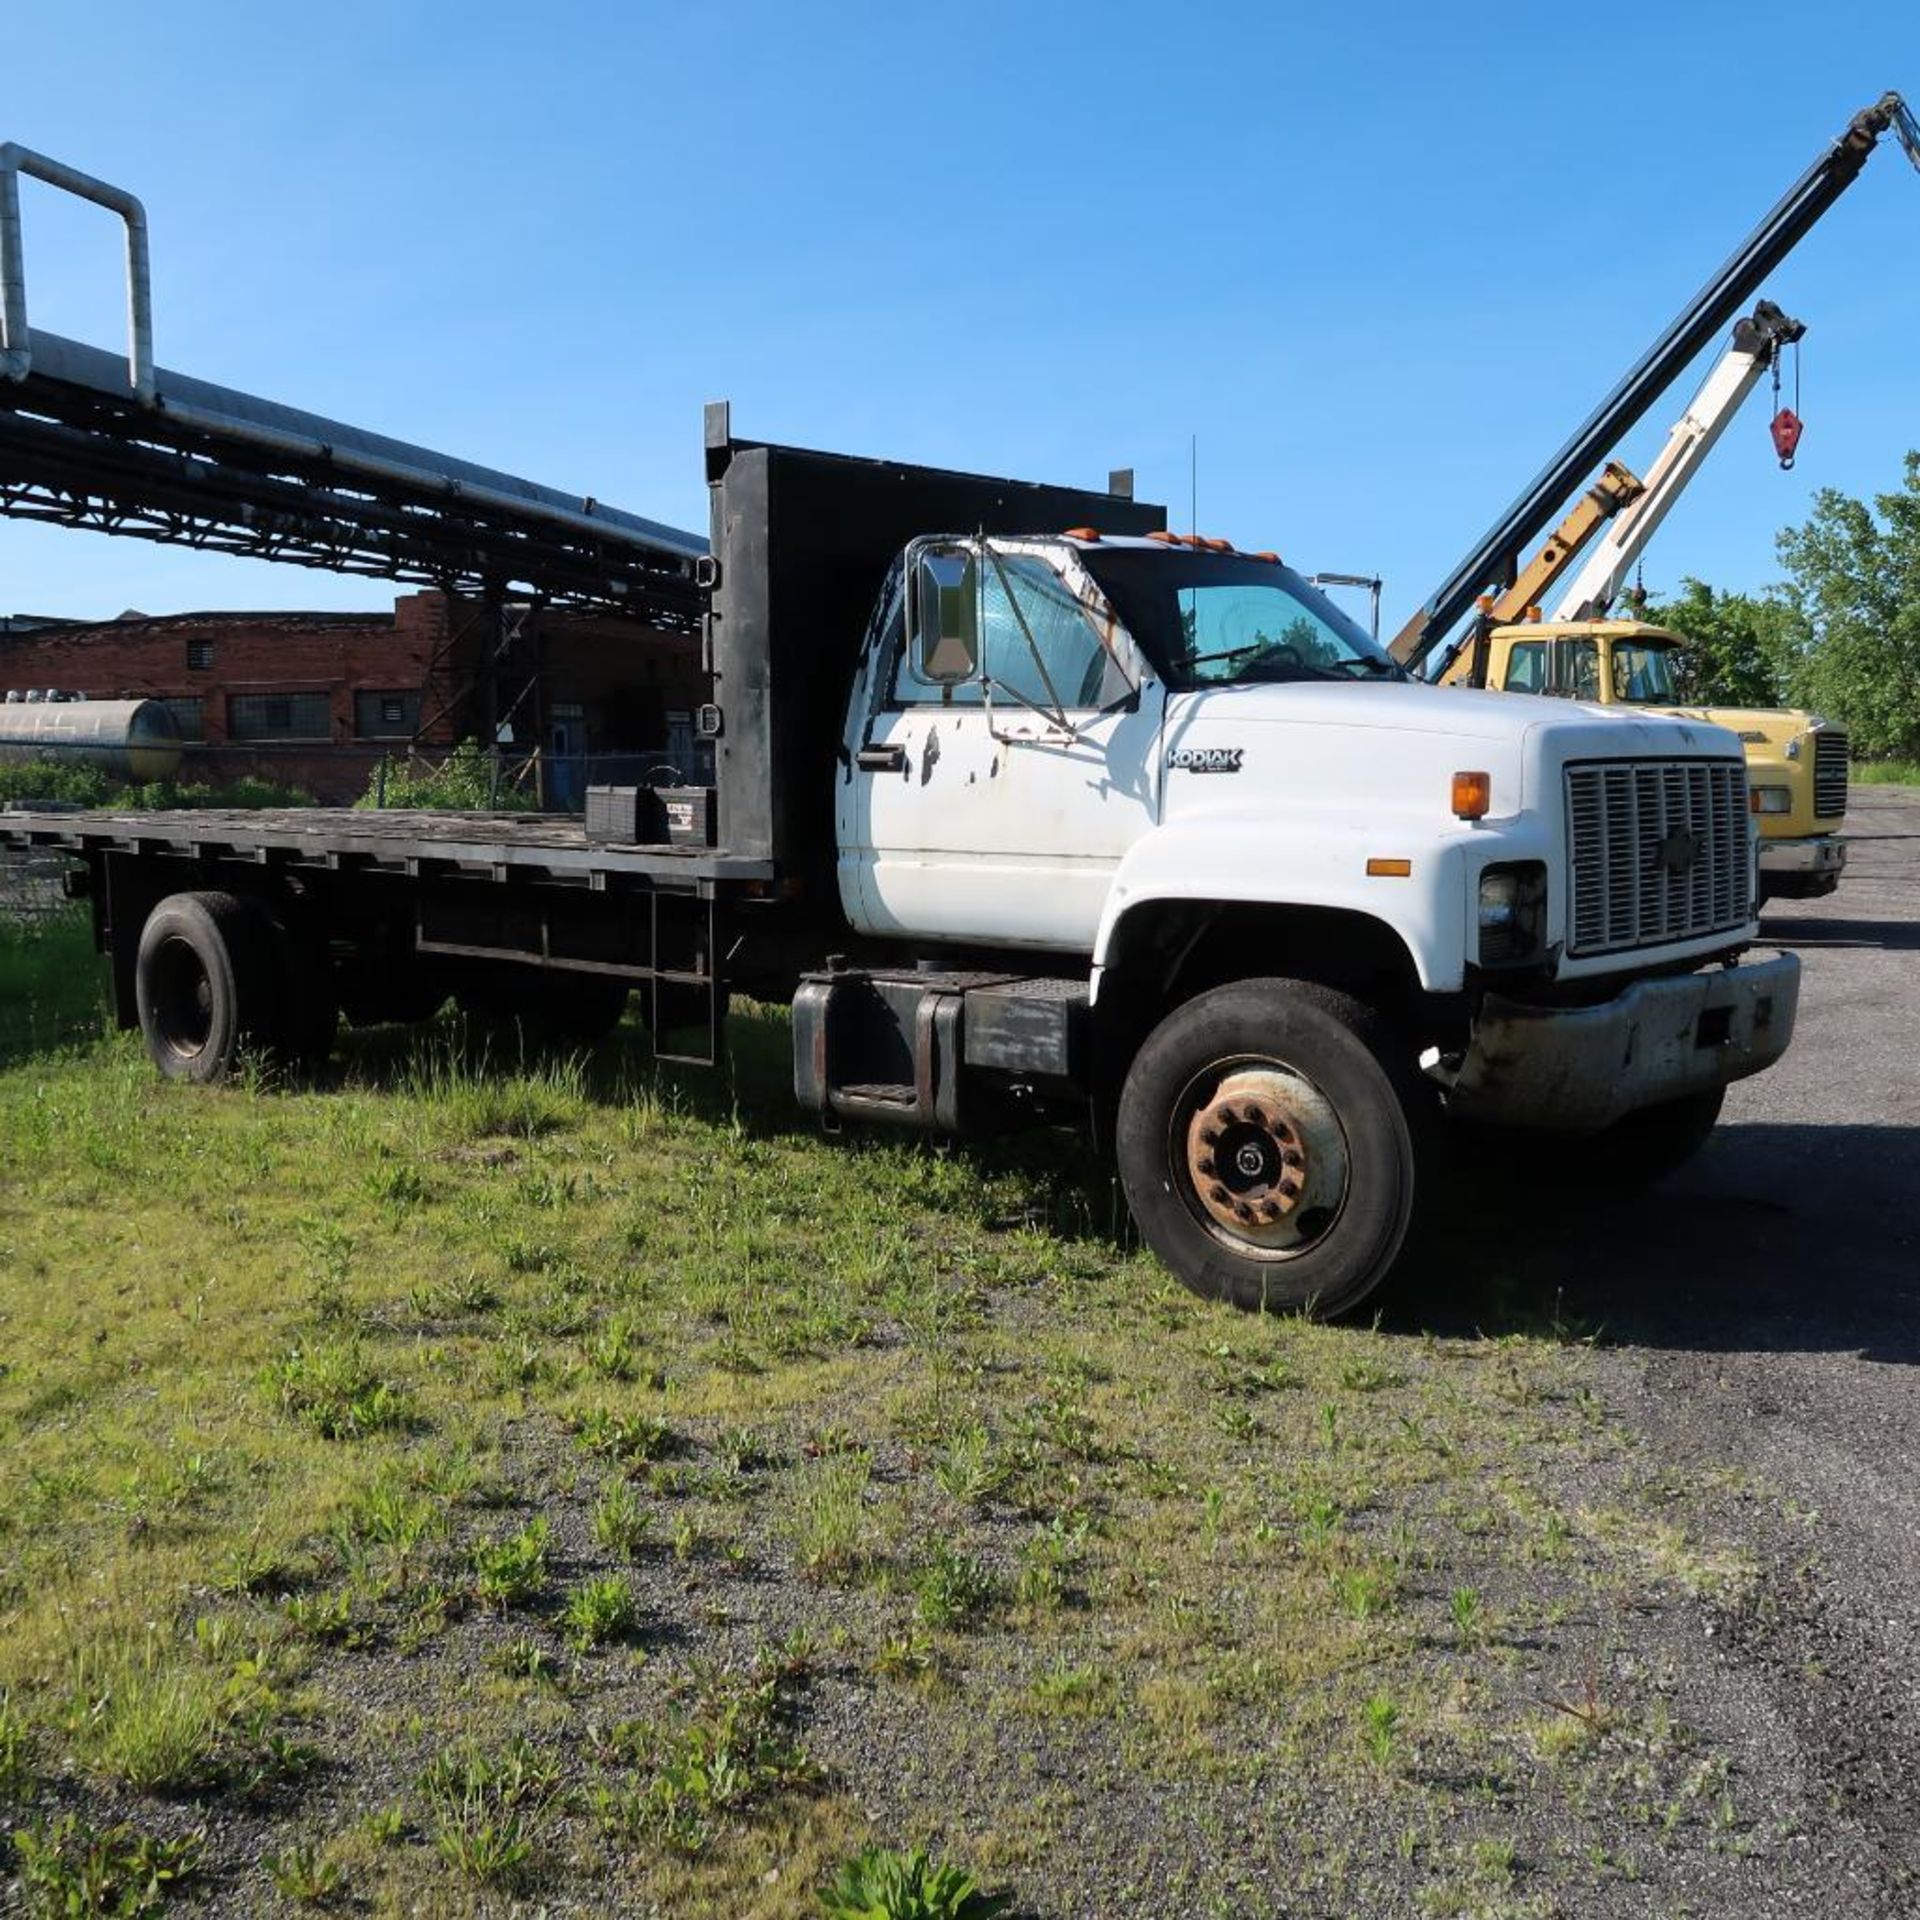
(1765, 1327)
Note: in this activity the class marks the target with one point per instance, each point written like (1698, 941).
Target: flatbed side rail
(532, 845)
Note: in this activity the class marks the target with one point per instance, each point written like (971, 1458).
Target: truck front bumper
(1818, 857)
(1581, 1068)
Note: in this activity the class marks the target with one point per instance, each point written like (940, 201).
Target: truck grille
(1658, 851)
(1829, 774)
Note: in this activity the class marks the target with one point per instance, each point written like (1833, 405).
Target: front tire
(1265, 1148)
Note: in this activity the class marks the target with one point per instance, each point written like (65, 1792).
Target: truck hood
(1757, 726)
(1462, 713)
(1385, 744)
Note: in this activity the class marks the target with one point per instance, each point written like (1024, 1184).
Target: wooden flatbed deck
(554, 846)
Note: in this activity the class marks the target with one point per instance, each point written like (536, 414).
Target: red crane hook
(1786, 430)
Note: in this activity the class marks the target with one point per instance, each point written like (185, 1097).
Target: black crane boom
(1493, 558)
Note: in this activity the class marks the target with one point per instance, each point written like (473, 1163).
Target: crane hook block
(1786, 430)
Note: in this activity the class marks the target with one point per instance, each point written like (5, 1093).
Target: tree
(1854, 579)
(1733, 645)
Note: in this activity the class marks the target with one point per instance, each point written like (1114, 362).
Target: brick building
(314, 700)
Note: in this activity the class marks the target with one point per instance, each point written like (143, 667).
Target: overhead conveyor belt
(91, 440)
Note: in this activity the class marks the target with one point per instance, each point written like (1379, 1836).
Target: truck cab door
(1005, 760)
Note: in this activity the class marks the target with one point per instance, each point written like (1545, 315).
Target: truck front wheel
(1265, 1148)
(206, 984)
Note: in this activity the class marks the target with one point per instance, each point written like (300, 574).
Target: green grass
(361, 1434)
(53, 986)
(1886, 773)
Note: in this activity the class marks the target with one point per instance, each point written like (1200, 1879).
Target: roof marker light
(1472, 795)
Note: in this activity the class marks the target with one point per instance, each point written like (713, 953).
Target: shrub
(483, 1806)
(510, 1572)
(952, 1587)
(332, 1389)
(467, 780)
(879, 1884)
(40, 780)
(68, 1867)
(599, 1610)
(619, 1523)
(829, 1519)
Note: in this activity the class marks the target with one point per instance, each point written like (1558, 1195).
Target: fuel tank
(128, 739)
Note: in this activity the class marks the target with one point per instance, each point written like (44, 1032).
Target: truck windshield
(1642, 674)
(1216, 619)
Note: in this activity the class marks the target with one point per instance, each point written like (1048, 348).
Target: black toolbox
(650, 816)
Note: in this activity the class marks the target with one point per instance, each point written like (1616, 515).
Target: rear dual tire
(206, 985)
(219, 978)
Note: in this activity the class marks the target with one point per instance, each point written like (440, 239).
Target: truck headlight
(1512, 911)
(1772, 800)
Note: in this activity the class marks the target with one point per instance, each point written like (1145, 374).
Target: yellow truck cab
(1796, 761)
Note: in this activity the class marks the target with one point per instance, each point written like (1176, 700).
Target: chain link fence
(30, 886)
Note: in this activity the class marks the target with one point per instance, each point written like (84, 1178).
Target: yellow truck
(1796, 761)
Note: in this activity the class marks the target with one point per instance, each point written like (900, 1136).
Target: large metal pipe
(126, 739)
(16, 341)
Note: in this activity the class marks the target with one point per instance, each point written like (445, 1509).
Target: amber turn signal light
(1472, 795)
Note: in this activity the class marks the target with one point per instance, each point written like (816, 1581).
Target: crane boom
(1757, 340)
(1617, 488)
(1493, 559)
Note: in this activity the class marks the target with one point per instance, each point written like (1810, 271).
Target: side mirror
(946, 615)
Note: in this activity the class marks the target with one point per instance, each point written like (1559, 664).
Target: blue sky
(1379, 259)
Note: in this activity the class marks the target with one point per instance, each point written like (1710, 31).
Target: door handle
(889, 758)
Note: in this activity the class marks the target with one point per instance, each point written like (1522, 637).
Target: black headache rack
(801, 543)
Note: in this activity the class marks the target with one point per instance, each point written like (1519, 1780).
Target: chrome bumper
(1825, 853)
(1583, 1067)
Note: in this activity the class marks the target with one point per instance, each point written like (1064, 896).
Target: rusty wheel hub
(1248, 1153)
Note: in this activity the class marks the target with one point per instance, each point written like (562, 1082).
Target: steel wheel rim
(1259, 1157)
(182, 999)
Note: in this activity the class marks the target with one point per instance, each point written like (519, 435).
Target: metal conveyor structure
(111, 445)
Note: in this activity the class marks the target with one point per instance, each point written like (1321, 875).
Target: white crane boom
(1757, 340)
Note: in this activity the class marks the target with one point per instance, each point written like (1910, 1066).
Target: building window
(386, 716)
(199, 656)
(279, 716)
(189, 716)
